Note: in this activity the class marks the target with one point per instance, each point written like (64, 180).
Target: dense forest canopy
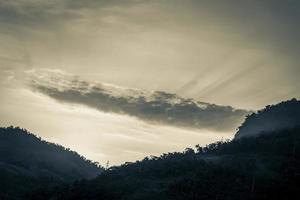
(266, 167)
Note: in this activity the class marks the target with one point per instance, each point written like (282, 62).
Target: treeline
(266, 167)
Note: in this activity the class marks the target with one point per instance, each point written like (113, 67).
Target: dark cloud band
(156, 107)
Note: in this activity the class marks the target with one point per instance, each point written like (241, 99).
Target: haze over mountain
(277, 117)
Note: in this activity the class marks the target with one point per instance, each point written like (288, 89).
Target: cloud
(155, 107)
(197, 44)
(43, 12)
(96, 135)
(193, 48)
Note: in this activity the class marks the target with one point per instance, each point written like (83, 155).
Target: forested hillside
(266, 167)
(262, 167)
(27, 162)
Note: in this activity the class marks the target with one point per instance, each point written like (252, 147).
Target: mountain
(151, 106)
(273, 118)
(265, 167)
(26, 162)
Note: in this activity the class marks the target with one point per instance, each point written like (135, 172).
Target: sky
(242, 54)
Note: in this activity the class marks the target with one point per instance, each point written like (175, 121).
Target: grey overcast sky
(242, 53)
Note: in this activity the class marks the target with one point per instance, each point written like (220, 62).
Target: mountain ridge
(272, 118)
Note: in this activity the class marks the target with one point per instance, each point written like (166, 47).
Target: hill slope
(24, 158)
(266, 167)
(272, 118)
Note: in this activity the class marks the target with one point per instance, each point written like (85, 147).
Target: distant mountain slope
(272, 118)
(151, 106)
(29, 154)
(27, 161)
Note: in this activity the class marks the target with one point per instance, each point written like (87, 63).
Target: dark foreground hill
(28, 162)
(265, 167)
